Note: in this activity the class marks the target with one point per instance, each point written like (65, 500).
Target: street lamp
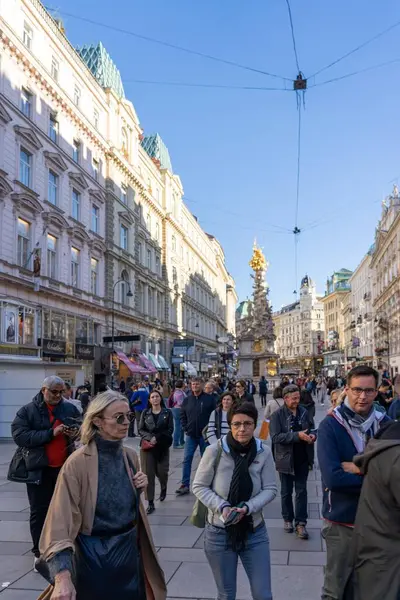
(129, 295)
(187, 327)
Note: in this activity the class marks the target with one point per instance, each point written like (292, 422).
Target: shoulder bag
(199, 513)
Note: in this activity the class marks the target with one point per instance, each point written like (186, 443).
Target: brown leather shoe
(301, 532)
(288, 526)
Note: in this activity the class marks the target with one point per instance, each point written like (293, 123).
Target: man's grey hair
(51, 381)
(211, 382)
(289, 389)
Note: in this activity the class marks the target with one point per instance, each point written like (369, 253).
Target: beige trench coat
(72, 512)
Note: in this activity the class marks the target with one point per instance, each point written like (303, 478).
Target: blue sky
(235, 150)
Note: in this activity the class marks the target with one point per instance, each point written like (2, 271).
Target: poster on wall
(10, 325)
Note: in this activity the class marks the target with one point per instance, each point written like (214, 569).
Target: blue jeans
(255, 559)
(190, 448)
(179, 435)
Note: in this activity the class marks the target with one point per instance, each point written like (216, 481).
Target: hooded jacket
(376, 536)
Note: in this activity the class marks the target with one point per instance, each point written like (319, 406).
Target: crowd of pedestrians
(84, 486)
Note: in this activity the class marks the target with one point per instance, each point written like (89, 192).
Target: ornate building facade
(337, 288)
(299, 330)
(95, 238)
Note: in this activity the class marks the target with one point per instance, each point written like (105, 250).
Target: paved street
(297, 566)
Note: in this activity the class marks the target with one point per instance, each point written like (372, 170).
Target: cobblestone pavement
(297, 566)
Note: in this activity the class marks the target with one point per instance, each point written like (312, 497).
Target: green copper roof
(102, 67)
(156, 148)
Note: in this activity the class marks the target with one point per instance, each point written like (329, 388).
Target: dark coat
(162, 431)
(247, 397)
(195, 414)
(376, 535)
(284, 440)
(31, 427)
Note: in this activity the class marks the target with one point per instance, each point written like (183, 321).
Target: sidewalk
(297, 566)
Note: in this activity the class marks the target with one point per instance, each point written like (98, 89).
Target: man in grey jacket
(290, 434)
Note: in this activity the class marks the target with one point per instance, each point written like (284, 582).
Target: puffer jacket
(212, 488)
(31, 427)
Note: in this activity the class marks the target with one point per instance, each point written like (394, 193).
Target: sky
(236, 150)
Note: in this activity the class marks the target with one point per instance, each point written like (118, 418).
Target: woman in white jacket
(235, 480)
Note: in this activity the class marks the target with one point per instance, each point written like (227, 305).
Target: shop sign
(67, 376)
(84, 351)
(53, 348)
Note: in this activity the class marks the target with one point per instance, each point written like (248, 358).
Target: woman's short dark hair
(224, 395)
(179, 383)
(277, 393)
(242, 383)
(246, 408)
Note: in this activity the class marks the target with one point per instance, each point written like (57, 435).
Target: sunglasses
(120, 419)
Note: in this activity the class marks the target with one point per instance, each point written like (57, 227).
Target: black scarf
(240, 489)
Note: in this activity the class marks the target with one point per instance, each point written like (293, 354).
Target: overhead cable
(293, 36)
(208, 85)
(384, 64)
(359, 47)
(167, 44)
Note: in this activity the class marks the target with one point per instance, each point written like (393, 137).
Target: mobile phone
(313, 432)
(229, 519)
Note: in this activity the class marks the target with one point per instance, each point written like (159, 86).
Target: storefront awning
(163, 362)
(155, 361)
(189, 368)
(146, 362)
(134, 368)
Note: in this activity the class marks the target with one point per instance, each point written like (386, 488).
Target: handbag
(26, 465)
(146, 445)
(198, 517)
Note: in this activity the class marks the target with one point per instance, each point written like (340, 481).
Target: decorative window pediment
(126, 217)
(4, 115)
(97, 246)
(29, 136)
(79, 232)
(78, 180)
(54, 159)
(27, 200)
(96, 195)
(56, 219)
(5, 186)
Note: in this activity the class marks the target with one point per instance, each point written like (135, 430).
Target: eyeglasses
(120, 419)
(56, 392)
(368, 391)
(239, 424)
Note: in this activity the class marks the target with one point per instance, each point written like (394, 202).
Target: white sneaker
(35, 562)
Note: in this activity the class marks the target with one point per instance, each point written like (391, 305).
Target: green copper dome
(156, 148)
(102, 67)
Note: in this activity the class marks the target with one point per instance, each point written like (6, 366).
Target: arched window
(125, 142)
(124, 286)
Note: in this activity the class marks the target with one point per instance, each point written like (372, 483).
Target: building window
(96, 118)
(140, 252)
(76, 204)
(26, 103)
(94, 275)
(51, 256)
(125, 143)
(23, 243)
(27, 37)
(75, 260)
(53, 127)
(96, 169)
(150, 303)
(77, 96)
(173, 243)
(55, 68)
(76, 151)
(123, 237)
(158, 270)
(149, 259)
(124, 194)
(125, 288)
(95, 218)
(157, 232)
(148, 222)
(174, 275)
(157, 195)
(140, 297)
(25, 167)
(53, 187)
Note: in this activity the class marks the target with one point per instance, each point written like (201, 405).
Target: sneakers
(151, 508)
(182, 490)
(288, 526)
(35, 562)
(181, 447)
(301, 532)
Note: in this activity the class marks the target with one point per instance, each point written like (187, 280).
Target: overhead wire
(293, 36)
(208, 85)
(357, 48)
(167, 44)
(358, 72)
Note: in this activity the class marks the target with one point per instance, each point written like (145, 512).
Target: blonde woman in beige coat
(96, 511)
